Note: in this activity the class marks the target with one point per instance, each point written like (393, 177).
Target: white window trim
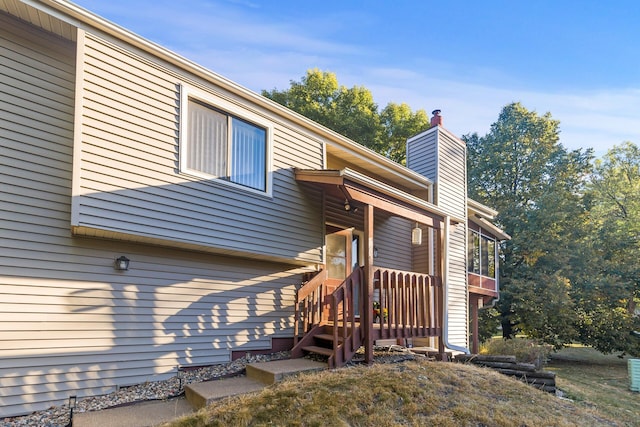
(495, 254)
(235, 110)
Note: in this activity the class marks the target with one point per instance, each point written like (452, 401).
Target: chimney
(436, 120)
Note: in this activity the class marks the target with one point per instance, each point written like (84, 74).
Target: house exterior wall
(442, 158)
(392, 238)
(71, 324)
(90, 171)
(130, 186)
(392, 235)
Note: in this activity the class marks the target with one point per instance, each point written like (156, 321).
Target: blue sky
(578, 60)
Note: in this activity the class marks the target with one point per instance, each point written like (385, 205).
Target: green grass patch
(597, 381)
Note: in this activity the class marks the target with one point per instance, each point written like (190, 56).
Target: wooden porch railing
(309, 305)
(346, 308)
(410, 304)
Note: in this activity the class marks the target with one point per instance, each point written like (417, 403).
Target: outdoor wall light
(121, 263)
(416, 236)
(72, 405)
(347, 205)
(375, 252)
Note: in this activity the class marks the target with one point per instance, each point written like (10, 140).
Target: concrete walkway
(143, 414)
(197, 395)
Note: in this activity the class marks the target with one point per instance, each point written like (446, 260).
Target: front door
(343, 256)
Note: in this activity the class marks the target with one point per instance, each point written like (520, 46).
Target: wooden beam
(380, 195)
(389, 205)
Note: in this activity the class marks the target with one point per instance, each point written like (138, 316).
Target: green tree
(522, 170)
(352, 112)
(399, 123)
(608, 295)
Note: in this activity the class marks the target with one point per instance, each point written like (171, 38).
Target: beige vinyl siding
(422, 154)
(392, 238)
(70, 323)
(452, 176)
(457, 290)
(130, 181)
(452, 197)
(423, 260)
(442, 158)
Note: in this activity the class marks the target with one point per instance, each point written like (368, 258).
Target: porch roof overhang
(492, 228)
(483, 215)
(364, 189)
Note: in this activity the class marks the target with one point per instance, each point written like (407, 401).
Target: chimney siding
(441, 157)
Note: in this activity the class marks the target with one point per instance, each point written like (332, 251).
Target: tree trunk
(507, 328)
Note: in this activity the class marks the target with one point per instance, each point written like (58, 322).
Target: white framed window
(220, 140)
(482, 254)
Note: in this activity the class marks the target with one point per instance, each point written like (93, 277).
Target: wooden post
(475, 343)
(368, 284)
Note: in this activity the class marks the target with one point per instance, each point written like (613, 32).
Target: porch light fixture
(72, 405)
(375, 252)
(347, 205)
(121, 263)
(416, 236)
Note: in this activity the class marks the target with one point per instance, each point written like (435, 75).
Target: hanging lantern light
(416, 236)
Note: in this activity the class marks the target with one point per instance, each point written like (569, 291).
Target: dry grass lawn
(596, 380)
(417, 393)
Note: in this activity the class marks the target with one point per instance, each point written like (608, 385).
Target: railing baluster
(413, 303)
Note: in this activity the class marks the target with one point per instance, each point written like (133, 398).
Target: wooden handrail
(312, 285)
(312, 310)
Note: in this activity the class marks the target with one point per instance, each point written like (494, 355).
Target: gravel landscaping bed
(58, 416)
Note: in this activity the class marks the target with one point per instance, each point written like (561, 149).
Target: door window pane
(336, 256)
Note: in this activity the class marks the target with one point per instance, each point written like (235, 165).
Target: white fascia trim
(480, 209)
(495, 230)
(369, 155)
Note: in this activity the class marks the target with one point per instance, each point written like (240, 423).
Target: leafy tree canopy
(522, 170)
(352, 112)
(609, 293)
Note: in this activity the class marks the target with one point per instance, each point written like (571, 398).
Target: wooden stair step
(319, 350)
(327, 337)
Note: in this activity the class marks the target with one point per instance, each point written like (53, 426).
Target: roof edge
(80, 14)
